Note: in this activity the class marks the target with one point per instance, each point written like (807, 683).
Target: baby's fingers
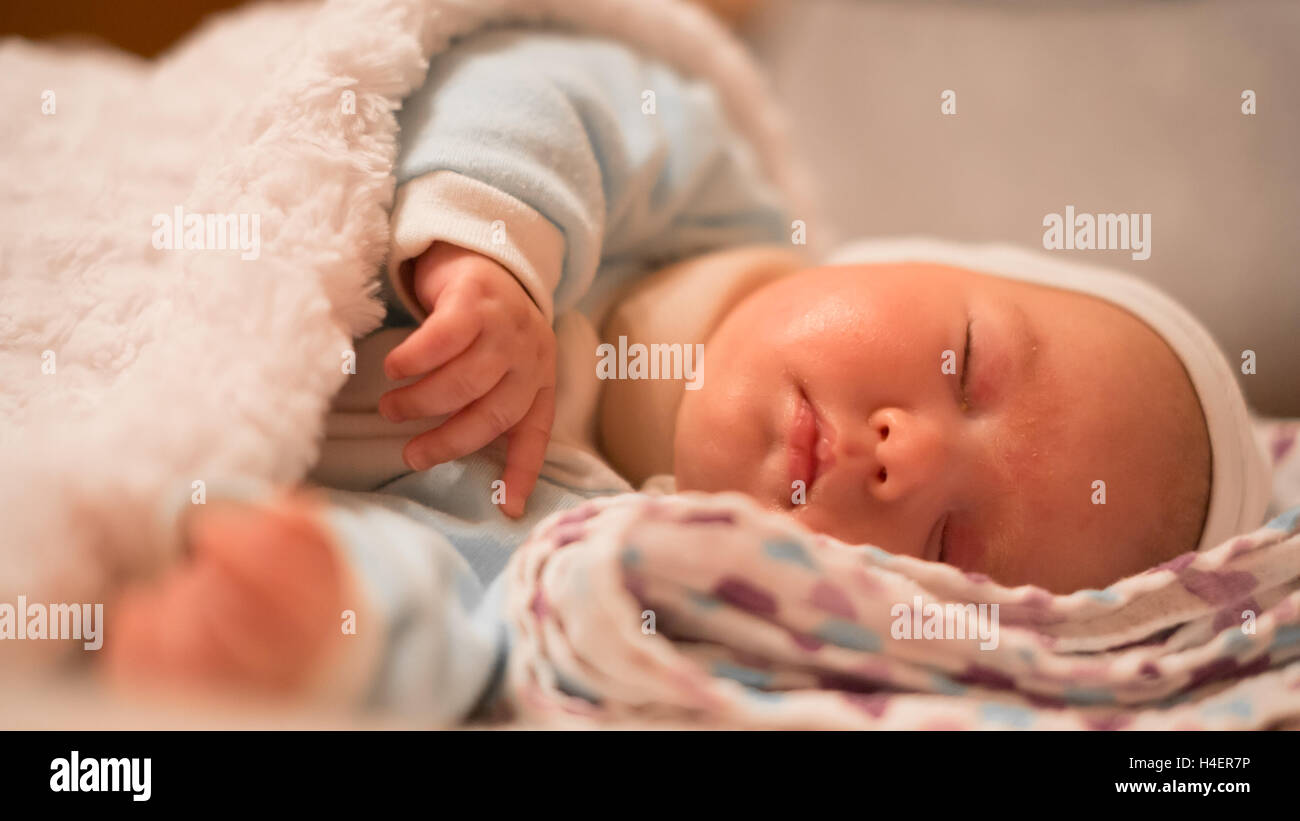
(448, 389)
(527, 451)
(473, 427)
(444, 335)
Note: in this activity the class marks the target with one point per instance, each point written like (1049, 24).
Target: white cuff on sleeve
(449, 207)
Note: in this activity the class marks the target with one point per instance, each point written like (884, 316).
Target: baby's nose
(909, 450)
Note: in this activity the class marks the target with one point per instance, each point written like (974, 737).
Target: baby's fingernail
(417, 461)
(390, 413)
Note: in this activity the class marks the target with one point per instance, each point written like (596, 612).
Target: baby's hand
(255, 604)
(489, 356)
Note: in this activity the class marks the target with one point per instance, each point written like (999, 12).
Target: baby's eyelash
(965, 367)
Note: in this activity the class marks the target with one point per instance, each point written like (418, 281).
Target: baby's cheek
(691, 442)
(712, 443)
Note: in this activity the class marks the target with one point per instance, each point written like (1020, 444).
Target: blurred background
(1111, 106)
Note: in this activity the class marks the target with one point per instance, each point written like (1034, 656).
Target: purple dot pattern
(823, 631)
(1217, 587)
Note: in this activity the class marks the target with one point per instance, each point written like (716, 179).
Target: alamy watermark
(179, 231)
(128, 775)
(654, 361)
(945, 621)
(63, 621)
(1098, 232)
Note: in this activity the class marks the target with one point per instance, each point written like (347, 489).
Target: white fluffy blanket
(130, 373)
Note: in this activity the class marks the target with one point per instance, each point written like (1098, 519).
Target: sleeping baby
(1014, 416)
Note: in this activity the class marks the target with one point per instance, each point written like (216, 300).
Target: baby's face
(835, 378)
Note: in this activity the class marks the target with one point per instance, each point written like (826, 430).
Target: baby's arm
(345, 599)
(547, 153)
(551, 139)
(552, 151)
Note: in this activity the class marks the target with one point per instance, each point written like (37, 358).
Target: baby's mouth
(809, 447)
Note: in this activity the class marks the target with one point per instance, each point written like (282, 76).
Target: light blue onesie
(563, 123)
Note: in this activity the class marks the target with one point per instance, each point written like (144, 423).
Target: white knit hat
(1239, 487)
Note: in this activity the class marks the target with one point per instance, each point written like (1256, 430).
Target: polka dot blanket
(706, 610)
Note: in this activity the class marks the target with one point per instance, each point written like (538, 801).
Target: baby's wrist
(446, 260)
